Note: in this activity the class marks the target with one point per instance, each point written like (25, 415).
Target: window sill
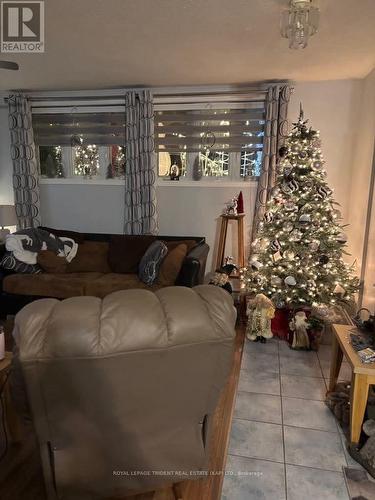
(213, 183)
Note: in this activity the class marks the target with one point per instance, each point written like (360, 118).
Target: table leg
(336, 361)
(358, 402)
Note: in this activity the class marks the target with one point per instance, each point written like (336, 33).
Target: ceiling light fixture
(299, 22)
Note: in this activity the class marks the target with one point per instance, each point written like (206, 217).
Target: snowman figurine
(259, 311)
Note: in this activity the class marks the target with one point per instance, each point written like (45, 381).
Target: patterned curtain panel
(276, 129)
(25, 164)
(140, 196)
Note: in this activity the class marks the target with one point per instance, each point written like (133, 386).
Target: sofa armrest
(194, 266)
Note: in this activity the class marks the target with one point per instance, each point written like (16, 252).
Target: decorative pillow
(10, 263)
(51, 263)
(150, 263)
(126, 251)
(171, 265)
(92, 256)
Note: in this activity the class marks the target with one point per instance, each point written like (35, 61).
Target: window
(82, 145)
(213, 139)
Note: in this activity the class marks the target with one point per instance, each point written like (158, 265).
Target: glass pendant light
(299, 22)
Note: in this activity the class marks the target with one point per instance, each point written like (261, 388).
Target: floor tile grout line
(285, 425)
(282, 426)
(279, 395)
(286, 463)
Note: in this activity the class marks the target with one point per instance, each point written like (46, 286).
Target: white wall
(359, 188)
(6, 189)
(331, 106)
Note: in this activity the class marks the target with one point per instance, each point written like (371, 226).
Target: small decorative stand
(223, 237)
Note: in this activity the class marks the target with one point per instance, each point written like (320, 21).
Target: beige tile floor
(285, 444)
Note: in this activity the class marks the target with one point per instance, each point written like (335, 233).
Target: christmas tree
(86, 160)
(297, 255)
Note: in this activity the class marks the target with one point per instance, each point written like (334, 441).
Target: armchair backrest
(123, 384)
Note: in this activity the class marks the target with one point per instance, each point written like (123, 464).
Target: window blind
(101, 128)
(232, 126)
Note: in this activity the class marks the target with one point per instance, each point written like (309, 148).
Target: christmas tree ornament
(280, 304)
(323, 192)
(324, 259)
(288, 226)
(289, 255)
(296, 235)
(289, 187)
(314, 245)
(302, 155)
(305, 219)
(277, 256)
(339, 290)
(268, 216)
(288, 170)
(317, 164)
(341, 238)
(254, 262)
(289, 206)
(296, 147)
(290, 281)
(259, 311)
(275, 245)
(283, 151)
(276, 281)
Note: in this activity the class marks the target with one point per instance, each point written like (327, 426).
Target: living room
(132, 201)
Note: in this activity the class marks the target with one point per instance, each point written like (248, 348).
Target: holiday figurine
(260, 311)
(299, 326)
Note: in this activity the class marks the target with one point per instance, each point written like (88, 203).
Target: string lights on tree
(297, 255)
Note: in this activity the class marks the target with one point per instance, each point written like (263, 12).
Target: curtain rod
(46, 95)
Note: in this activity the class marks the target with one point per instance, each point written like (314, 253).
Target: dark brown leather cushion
(171, 265)
(77, 237)
(190, 244)
(126, 251)
(92, 256)
(51, 263)
(60, 286)
(112, 282)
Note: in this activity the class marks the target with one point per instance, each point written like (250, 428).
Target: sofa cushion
(62, 233)
(150, 263)
(92, 256)
(126, 252)
(113, 282)
(171, 265)
(172, 244)
(51, 263)
(60, 286)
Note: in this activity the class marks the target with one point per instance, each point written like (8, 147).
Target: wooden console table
(362, 377)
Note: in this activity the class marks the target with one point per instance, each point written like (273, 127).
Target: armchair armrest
(194, 266)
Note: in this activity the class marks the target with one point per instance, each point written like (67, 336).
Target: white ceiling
(115, 43)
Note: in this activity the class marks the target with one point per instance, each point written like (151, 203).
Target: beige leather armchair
(122, 388)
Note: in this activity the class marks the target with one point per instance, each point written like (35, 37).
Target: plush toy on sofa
(259, 311)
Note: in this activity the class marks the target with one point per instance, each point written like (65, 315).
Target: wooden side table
(223, 237)
(362, 377)
(11, 418)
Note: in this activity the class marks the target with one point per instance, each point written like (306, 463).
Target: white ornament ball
(341, 238)
(290, 281)
(305, 219)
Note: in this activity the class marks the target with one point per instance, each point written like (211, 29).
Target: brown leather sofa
(104, 264)
(122, 389)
